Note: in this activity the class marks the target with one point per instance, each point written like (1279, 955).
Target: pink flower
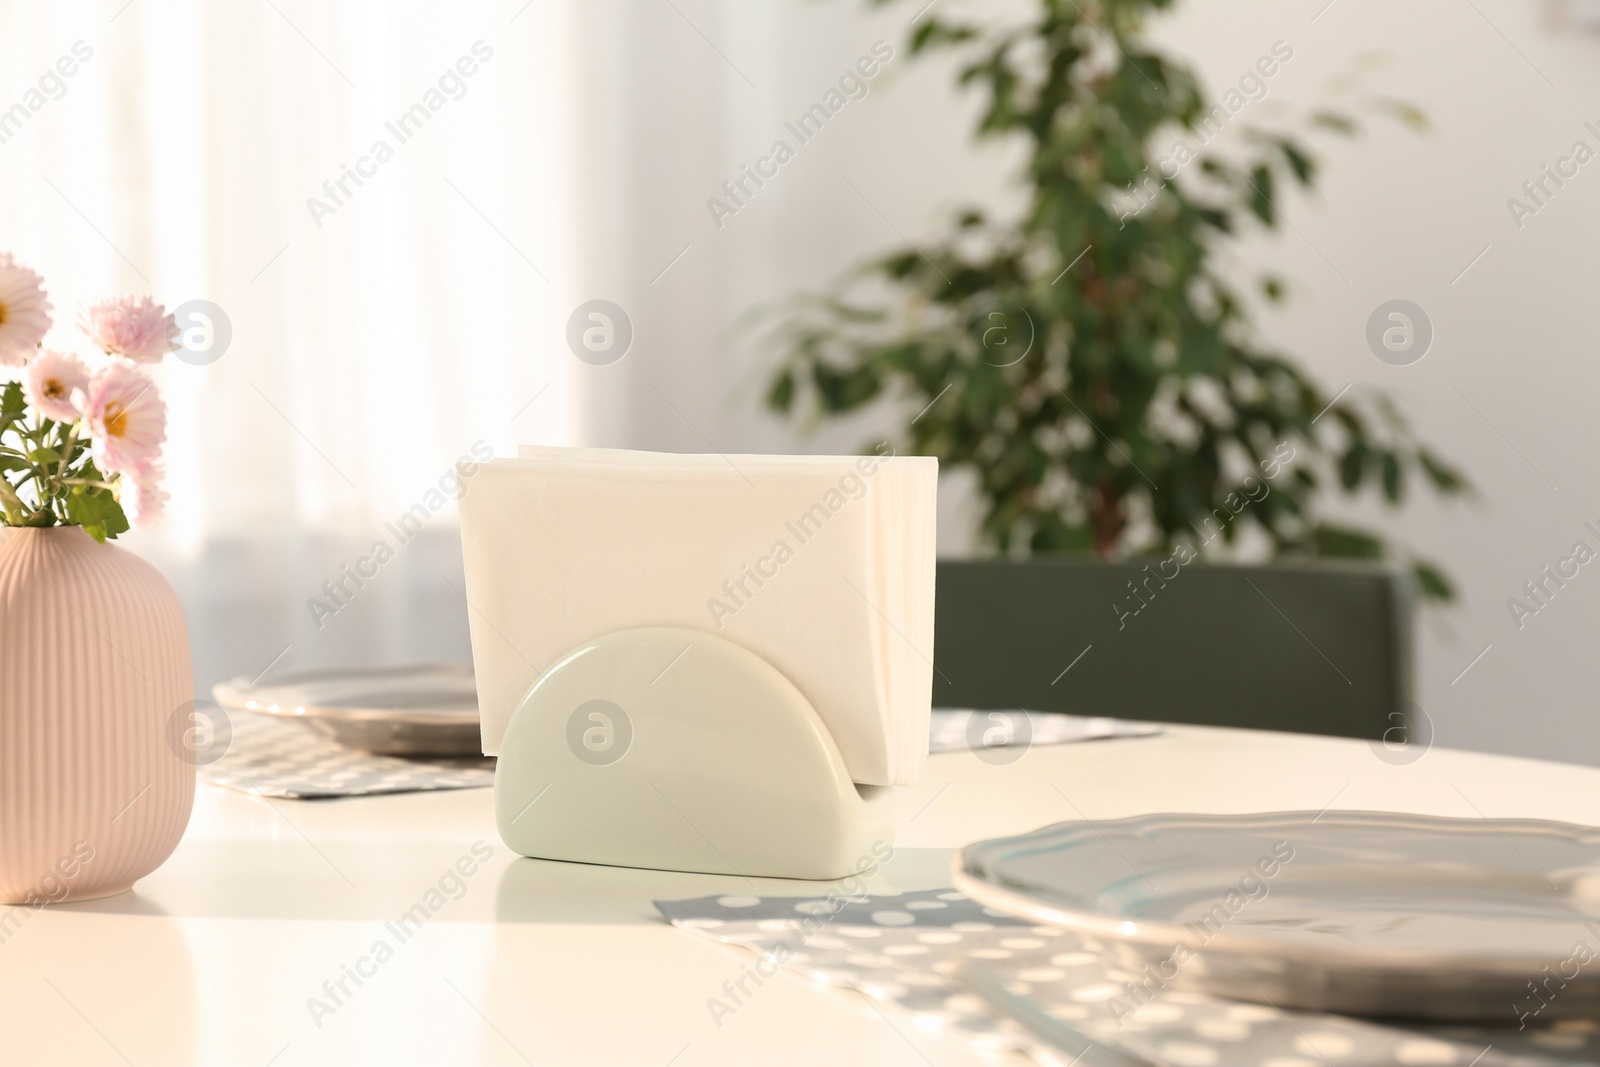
(127, 419)
(24, 312)
(50, 381)
(142, 498)
(139, 329)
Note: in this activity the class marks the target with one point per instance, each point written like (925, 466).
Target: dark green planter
(1320, 648)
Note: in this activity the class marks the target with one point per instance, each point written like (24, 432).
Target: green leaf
(45, 456)
(933, 33)
(1433, 582)
(97, 511)
(1352, 466)
(781, 396)
(1299, 162)
(1261, 194)
(1333, 120)
(11, 400)
(1406, 114)
(1444, 477)
(1339, 542)
(1391, 477)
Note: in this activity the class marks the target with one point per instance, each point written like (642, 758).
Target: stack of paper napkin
(823, 565)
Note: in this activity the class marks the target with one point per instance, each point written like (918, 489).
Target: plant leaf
(1433, 582)
(1353, 465)
(1299, 162)
(97, 511)
(1261, 194)
(1391, 477)
(1338, 542)
(781, 396)
(1444, 477)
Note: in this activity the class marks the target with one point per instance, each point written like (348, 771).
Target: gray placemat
(999, 733)
(279, 758)
(275, 758)
(951, 966)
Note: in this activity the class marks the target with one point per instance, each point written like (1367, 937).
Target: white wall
(1507, 87)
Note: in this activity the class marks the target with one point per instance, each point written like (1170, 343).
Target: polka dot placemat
(954, 967)
(284, 759)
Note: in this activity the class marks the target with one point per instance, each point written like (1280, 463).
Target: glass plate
(423, 709)
(1358, 912)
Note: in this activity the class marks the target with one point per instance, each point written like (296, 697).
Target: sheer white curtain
(376, 333)
(534, 156)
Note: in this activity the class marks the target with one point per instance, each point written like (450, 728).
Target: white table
(211, 960)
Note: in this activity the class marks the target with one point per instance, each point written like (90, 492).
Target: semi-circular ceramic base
(678, 750)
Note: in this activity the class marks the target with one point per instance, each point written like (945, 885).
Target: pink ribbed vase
(95, 681)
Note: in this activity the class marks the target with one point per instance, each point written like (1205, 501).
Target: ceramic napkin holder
(679, 750)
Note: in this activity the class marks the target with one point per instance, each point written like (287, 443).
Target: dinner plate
(1357, 912)
(424, 709)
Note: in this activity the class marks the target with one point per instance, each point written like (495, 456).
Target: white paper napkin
(821, 564)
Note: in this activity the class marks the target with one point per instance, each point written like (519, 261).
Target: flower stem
(16, 513)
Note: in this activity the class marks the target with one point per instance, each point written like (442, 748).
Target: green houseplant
(1088, 361)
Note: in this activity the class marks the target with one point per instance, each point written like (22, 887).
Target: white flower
(24, 312)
